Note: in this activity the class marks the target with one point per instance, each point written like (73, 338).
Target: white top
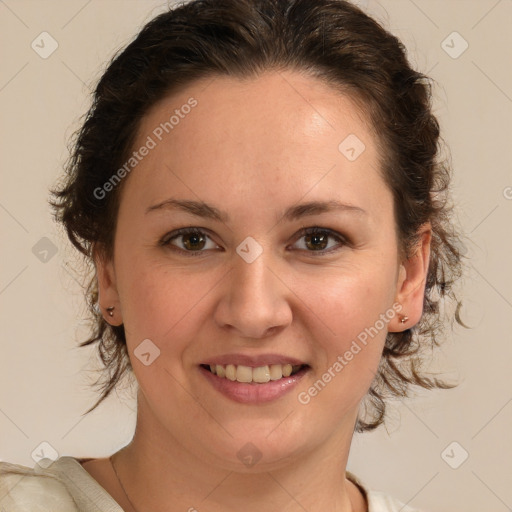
(65, 486)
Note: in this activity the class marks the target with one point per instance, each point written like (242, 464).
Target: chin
(253, 450)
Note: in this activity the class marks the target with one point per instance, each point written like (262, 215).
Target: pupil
(318, 241)
(191, 241)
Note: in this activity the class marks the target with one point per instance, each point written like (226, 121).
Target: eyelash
(312, 231)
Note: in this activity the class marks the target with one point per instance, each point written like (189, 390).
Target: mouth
(254, 379)
(255, 375)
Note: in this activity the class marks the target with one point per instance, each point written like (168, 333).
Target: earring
(110, 311)
(404, 319)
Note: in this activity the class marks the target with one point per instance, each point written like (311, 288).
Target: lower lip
(252, 393)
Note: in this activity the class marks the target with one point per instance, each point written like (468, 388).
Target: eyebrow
(204, 210)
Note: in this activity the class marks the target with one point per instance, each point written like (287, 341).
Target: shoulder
(23, 488)
(379, 501)
(61, 485)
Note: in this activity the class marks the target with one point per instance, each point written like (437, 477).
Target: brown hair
(331, 40)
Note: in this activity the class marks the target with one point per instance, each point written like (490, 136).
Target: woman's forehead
(258, 146)
(281, 129)
(272, 95)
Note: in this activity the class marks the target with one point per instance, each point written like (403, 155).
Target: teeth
(260, 374)
(243, 373)
(276, 371)
(231, 372)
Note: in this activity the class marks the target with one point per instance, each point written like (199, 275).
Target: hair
(330, 40)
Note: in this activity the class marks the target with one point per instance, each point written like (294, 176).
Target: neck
(157, 470)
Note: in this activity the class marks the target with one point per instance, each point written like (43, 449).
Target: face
(257, 233)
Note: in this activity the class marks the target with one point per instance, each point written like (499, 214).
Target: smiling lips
(254, 379)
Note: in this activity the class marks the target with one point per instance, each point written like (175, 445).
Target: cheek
(165, 307)
(164, 304)
(344, 301)
(351, 311)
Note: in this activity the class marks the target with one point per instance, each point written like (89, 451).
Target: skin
(252, 148)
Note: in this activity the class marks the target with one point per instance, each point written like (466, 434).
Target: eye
(196, 241)
(192, 240)
(320, 240)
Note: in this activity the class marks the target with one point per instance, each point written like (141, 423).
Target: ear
(411, 282)
(108, 297)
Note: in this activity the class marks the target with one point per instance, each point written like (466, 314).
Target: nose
(255, 300)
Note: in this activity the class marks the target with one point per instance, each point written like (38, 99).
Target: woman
(257, 185)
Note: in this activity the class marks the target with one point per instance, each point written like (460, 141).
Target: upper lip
(253, 361)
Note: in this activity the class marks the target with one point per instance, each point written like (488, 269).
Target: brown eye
(316, 242)
(319, 240)
(191, 241)
(194, 241)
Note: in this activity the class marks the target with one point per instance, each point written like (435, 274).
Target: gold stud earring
(110, 311)
(404, 319)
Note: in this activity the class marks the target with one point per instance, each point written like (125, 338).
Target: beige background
(44, 376)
